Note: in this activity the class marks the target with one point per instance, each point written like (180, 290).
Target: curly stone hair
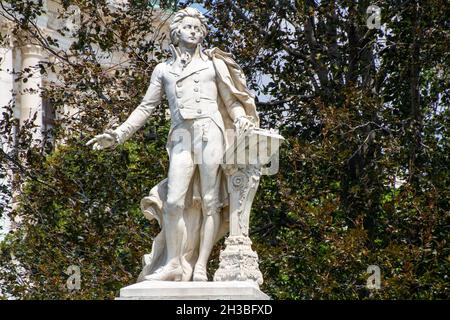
(179, 16)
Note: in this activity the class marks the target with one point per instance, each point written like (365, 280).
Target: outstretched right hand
(102, 141)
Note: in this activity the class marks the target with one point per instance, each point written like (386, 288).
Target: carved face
(189, 32)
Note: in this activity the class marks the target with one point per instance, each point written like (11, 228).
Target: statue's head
(189, 26)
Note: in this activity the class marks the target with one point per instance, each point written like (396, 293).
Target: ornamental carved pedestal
(238, 262)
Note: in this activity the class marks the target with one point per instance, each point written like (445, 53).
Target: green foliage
(364, 173)
(310, 248)
(84, 212)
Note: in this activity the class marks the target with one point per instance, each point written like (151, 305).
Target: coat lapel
(192, 67)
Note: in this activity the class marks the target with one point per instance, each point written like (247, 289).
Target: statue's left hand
(243, 124)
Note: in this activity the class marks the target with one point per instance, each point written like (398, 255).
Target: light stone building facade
(17, 55)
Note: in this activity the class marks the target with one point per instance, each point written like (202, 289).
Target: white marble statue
(207, 96)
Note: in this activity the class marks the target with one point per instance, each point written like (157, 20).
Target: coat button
(196, 89)
(178, 84)
(196, 80)
(197, 100)
(181, 106)
(199, 111)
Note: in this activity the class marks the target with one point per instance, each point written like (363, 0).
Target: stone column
(238, 262)
(30, 98)
(6, 76)
(6, 71)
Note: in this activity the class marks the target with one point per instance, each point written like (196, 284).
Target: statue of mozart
(208, 97)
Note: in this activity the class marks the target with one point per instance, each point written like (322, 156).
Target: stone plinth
(190, 290)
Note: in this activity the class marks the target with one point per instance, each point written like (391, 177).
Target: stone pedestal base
(189, 290)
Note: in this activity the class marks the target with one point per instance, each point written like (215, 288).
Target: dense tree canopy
(364, 171)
